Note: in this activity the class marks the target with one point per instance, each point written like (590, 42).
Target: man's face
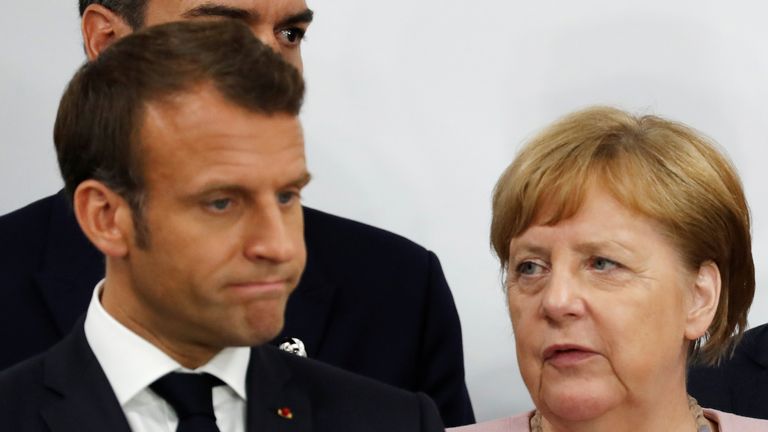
(280, 24)
(225, 246)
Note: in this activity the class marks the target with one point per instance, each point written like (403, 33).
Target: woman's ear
(104, 217)
(705, 296)
(100, 28)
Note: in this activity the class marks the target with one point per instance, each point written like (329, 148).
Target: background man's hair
(97, 130)
(132, 11)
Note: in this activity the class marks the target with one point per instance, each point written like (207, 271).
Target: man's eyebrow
(301, 181)
(304, 17)
(222, 11)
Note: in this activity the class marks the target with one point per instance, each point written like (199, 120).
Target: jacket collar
(86, 401)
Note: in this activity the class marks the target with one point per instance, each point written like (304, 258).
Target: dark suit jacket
(738, 385)
(65, 390)
(370, 302)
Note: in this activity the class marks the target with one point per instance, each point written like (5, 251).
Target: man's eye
(292, 35)
(603, 264)
(286, 197)
(220, 204)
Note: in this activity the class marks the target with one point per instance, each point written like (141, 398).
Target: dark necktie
(191, 397)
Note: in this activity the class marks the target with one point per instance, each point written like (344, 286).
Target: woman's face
(600, 306)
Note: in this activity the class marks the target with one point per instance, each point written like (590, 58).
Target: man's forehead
(250, 10)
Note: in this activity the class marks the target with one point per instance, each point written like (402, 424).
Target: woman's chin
(578, 403)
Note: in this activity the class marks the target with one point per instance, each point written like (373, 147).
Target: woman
(626, 244)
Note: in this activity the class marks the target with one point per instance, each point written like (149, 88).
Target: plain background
(415, 108)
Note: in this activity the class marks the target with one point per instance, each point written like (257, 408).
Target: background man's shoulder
(343, 249)
(24, 235)
(395, 319)
(29, 224)
(354, 235)
(739, 384)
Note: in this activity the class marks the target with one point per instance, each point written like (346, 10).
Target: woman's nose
(562, 297)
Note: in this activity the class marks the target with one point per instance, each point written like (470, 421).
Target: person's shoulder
(24, 235)
(343, 249)
(751, 353)
(30, 373)
(32, 213)
(337, 394)
(21, 390)
(728, 422)
(733, 385)
(319, 224)
(28, 220)
(21, 373)
(754, 345)
(517, 423)
(340, 383)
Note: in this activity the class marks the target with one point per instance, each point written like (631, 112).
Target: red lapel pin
(285, 413)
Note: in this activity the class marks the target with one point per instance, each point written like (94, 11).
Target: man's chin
(261, 332)
(253, 324)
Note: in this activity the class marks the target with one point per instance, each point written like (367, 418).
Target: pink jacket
(519, 423)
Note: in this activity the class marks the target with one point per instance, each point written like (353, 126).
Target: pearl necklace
(702, 425)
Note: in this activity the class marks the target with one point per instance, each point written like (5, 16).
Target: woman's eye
(528, 268)
(603, 264)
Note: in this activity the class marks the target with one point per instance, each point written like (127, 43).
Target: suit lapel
(86, 401)
(271, 398)
(308, 310)
(70, 267)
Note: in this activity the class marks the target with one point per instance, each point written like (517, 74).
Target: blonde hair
(658, 168)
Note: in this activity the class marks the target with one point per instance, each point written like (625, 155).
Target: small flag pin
(285, 413)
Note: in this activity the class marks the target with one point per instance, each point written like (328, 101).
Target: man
(183, 156)
(740, 384)
(369, 301)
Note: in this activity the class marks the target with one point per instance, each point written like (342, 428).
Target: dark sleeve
(442, 355)
(430, 418)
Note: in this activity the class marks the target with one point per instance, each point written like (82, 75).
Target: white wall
(414, 109)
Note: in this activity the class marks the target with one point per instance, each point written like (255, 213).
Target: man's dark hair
(132, 11)
(97, 131)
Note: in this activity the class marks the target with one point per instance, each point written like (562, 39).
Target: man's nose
(270, 236)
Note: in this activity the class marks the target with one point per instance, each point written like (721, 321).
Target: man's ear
(105, 218)
(101, 27)
(704, 300)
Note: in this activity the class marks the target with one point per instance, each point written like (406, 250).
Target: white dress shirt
(131, 364)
